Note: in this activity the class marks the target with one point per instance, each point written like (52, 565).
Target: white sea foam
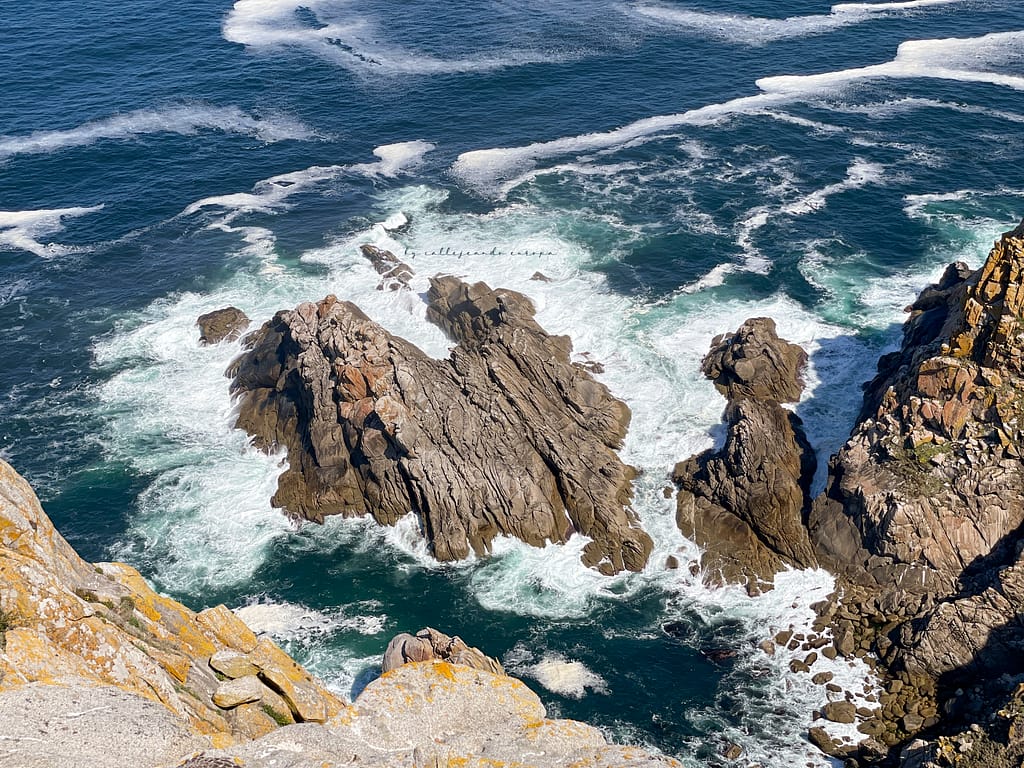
(969, 60)
(965, 60)
(566, 677)
(271, 195)
(354, 42)
(290, 621)
(785, 607)
(22, 230)
(755, 30)
(184, 119)
(859, 174)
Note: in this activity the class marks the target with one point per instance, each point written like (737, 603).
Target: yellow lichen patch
(444, 669)
(37, 659)
(227, 628)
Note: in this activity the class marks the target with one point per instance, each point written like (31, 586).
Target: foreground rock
(429, 645)
(65, 622)
(433, 713)
(505, 437)
(745, 505)
(97, 671)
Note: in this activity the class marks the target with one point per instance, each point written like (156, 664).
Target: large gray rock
(505, 437)
(88, 726)
(744, 505)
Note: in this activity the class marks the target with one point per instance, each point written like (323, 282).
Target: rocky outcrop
(929, 490)
(429, 645)
(924, 510)
(395, 274)
(744, 505)
(222, 325)
(431, 714)
(68, 623)
(504, 437)
(97, 671)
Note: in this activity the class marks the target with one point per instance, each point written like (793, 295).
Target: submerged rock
(222, 325)
(504, 437)
(395, 274)
(744, 505)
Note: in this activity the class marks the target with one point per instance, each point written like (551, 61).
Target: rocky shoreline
(98, 671)
(920, 522)
(921, 518)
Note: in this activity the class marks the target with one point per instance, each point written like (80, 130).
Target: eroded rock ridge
(744, 505)
(504, 437)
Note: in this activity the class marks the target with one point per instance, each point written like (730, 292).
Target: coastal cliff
(921, 519)
(99, 671)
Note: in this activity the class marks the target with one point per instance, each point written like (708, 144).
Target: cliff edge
(99, 671)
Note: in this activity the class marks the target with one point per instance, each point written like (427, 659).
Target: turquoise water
(675, 167)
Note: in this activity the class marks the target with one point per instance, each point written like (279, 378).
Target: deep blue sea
(674, 167)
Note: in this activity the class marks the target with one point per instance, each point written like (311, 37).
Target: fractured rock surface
(504, 437)
(744, 505)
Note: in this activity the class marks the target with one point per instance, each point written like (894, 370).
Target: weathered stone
(429, 644)
(744, 505)
(506, 436)
(307, 701)
(232, 664)
(840, 711)
(75, 624)
(244, 690)
(222, 325)
(395, 274)
(227, 628)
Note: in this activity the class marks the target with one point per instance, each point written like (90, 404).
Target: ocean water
(674, 167)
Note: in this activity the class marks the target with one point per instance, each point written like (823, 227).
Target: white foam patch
(22, 230)
(356, 42)
(860, 174)
(185, 120)
(566, 677)
(290, 621)
(785, 607)
(756, 30)
(968, 60)
(897, 107)
(271, 195)
(963, 60)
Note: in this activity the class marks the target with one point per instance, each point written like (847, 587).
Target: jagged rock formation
(429, 645)
(65, 622)
(931, 478)
(395, 274)
(505, 437)
(924, 511)
(97, 671)
(222, 324)
(744, 505)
